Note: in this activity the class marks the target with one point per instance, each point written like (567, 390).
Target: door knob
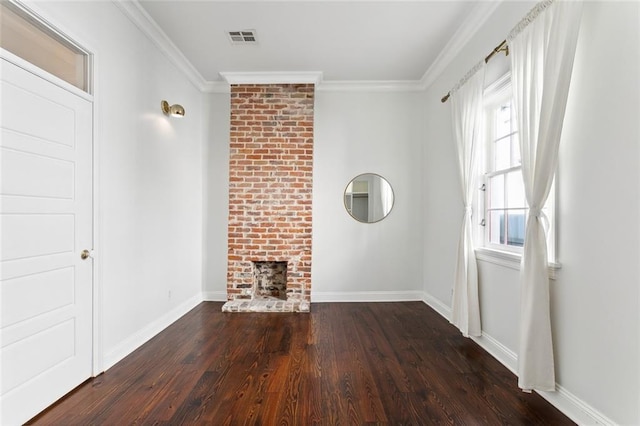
(84, 254)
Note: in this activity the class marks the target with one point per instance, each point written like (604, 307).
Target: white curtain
(466, 107)
(542, 49)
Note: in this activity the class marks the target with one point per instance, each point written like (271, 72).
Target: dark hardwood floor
(344, 363)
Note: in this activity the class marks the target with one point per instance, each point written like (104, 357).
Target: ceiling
(346, 41)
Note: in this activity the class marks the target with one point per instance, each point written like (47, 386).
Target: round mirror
(368, 198)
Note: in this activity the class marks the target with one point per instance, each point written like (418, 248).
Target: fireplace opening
(270, 280)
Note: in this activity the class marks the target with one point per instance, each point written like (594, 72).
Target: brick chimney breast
(270, 193)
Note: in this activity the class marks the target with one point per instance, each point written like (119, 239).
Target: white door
(45, 224)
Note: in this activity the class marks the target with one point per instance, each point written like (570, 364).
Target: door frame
(97, 351)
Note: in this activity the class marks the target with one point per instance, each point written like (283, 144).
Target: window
(506, 207)
(501, 199)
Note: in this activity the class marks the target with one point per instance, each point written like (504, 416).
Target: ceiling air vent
(243, 37)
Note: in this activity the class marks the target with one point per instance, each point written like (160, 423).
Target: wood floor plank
(341, 364)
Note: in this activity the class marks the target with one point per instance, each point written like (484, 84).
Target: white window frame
(489, 154)
(508, 256)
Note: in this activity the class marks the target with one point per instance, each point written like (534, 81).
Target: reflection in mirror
(368, 198)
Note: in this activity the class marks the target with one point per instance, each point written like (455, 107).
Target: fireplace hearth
(268, 293)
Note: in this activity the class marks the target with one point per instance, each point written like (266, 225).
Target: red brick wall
(270, 184)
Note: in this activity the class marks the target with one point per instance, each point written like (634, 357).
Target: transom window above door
(22, 34)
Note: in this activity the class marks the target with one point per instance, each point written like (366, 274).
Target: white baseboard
(575, 408)
(365, 296)
(339, 296)
(214, 296)
(569, 404)
(437, 305)
(139, 338)
(506, 356)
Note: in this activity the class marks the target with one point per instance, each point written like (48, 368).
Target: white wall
(217, 197)
(149, 173)
(597, 295)
(595, 299)
(355, 132)
(367, 132)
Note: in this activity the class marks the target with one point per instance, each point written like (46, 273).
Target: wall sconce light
(175, 110)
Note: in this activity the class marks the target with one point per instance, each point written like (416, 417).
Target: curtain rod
(502, 47)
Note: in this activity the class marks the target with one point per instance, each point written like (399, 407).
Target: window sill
(509, 260)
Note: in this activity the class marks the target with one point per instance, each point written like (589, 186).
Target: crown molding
(322, 86)
(370, 86)
(136, 13)
(216, 87)
(476, 19)
(273, 77)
